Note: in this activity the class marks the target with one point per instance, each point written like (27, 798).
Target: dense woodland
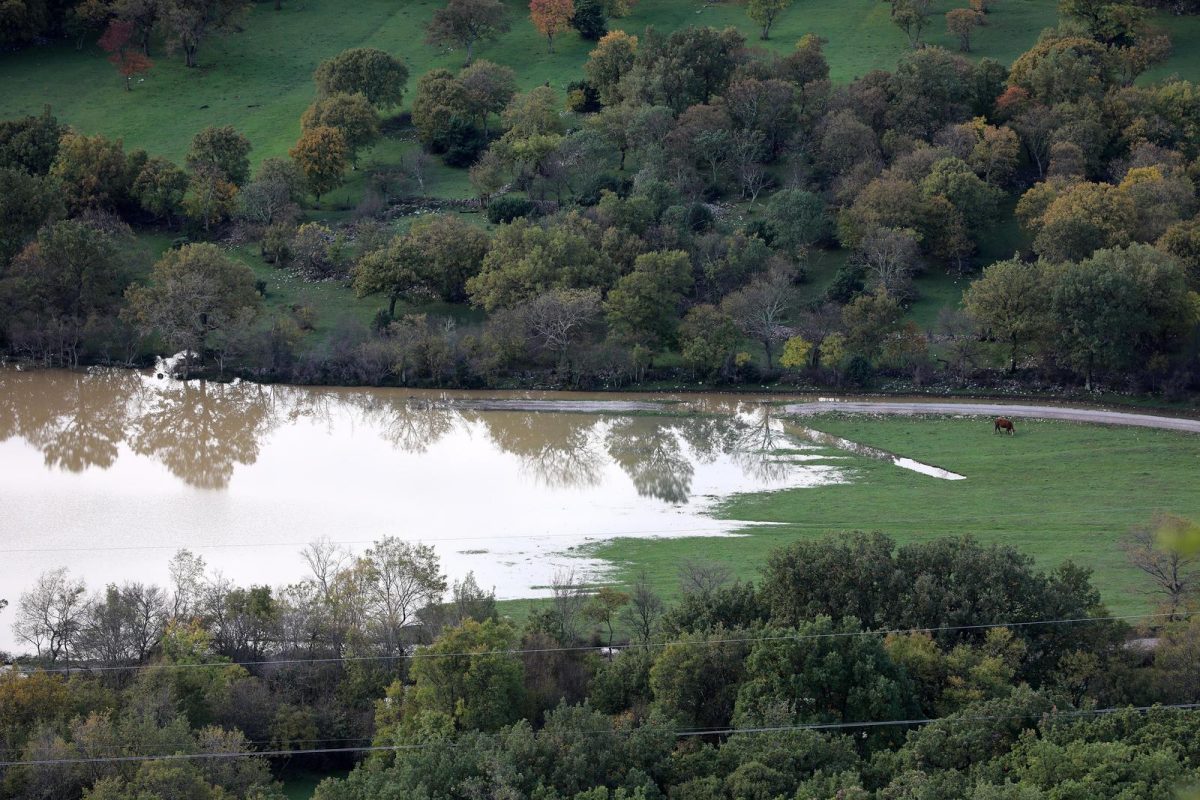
(991, 678)
(656, 226)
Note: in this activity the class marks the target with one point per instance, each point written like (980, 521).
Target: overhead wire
(425, 653)
(691, 733)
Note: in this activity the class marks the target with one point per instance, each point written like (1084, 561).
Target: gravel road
(1012, 410)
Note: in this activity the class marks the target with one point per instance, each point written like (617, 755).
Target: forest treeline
(661, 225)
(736, 690)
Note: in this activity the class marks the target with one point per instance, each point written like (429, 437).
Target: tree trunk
(470, 52)
(392, 305)
(767, 347)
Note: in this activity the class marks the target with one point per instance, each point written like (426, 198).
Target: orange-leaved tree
(551, 17)
(123, 53)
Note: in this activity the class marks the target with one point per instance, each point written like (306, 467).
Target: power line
(824, 726)
(424, 654)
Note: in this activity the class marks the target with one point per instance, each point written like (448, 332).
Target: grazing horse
(1004, 424)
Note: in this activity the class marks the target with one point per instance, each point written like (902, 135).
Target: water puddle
(829, 440)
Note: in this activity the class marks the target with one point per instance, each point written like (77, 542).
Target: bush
(859, 372)
(507, 208)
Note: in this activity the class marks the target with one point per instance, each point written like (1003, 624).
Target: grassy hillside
(259, 80)
(1056, 491)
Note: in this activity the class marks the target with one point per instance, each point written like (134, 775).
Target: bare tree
(325, 560)
(1167, 550)
(762, 309)
(569, 598)
(401, 579)
(124, 625)
(702, 577)
(557, 317)
(644, 611)
(50, 615)
(187, 579)
(890, 256)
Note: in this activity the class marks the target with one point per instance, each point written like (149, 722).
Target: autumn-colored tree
(462, 23)
(608, 62)
(322, 155)
(551, 17)
(352, 114)
(962, 22)
(117, 41)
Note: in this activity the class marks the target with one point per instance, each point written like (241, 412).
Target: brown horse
(1004, 424)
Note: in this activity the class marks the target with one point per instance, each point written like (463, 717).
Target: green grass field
(1055, 491)
(259, 79)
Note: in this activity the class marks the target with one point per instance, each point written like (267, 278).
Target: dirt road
(1014, 411)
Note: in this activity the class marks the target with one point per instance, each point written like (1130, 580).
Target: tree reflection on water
(201, 432)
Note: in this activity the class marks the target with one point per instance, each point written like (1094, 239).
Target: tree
(707, 337)
(890, 257)
(160, 187)
(392, 271)
(117, 41)
(763, 309)
(352, 114)
(961, 23)
(602, 608)
(1082, 219)
(551, 17)
(644, 612)
(610, 60)
(363, 70)
(469, 677)
(144, 14)
(643, 306)
(399, 579)
(274, 194)
(558, 317)
(912, 17)
(441, 106)
(30, 143)
(1181, 241)
(210, 198)
(797, 220)
(194, 292)
(50, 614)
(26, 202)
(490, 87)
(1118, 308)
(797, 353)
(449, 252)
(322, 156)
(73, 271)
(1009, 301)
(463, 23)
(793, 668)
(526, 259)
(223, 148)
(190, 22)
(589, 19)
(1168, 552)
(765, 12)
(92, 171)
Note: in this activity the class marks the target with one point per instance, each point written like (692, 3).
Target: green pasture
(1056, 491)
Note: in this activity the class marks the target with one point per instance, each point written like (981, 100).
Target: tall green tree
(378, 76)
(1009, 301)
(224, 148)
(765, 13)
(643, 307)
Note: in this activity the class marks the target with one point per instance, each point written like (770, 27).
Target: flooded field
(110, 472)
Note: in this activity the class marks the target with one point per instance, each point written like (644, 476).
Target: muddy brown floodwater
(109, 472)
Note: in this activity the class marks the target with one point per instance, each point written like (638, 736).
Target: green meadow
(1055, 491)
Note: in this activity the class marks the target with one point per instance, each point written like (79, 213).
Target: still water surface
(110, 472)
